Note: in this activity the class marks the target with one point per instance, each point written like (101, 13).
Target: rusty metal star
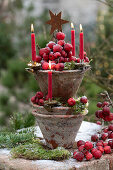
(56, 22)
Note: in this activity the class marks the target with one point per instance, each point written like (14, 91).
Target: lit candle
(33, 46)
(81, 47)
(73, 39)
(50, 82)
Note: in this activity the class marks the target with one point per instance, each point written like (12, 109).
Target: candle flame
(32, 28)
(72, 26)
(49, 64)
(81, 29)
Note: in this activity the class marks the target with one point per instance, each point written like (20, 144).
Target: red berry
(99, 104)
(86, 59)
(100, 148)
(45, 57)
(81, 148)
(57, 48)
(83, 99)
(51, 44)
(104, 136)
(80, 142)
(33, 99)
(57, 55)
(38, 59)
(94, 138)
(71, 102)
(107, 149)
(63, 53)
(51, 56)
(105, 103)
(110, 127)
(39, 95)
(68, 47)
(109, 118)
(60, 36)
(110, 143)
(41, 102)
(106, 111)
(79, 156)
(94, 150)
(61, 42)
(100, 114)
(78, 60)
(45, 66)
(88, 145)
(98, 123)
(97, 154)
(89, 156)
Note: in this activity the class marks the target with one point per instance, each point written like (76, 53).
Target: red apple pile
(58, 53)
(104, 111)
(39, 98)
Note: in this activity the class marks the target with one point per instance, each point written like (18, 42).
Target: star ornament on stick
(56, 22)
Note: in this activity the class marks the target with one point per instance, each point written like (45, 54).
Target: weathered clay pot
(64, 83)
(58, 130)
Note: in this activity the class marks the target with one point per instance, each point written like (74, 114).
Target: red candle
(81, 47)
(33, 46)
(73, 39)
(50, 82)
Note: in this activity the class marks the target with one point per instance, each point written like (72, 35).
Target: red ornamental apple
(105, 144)
(105, 130)
(110, 127)
(100, 114)
(106, 110)
(41, 102)
(45, 57)
(74, 154)
(83, 99)
(89, 156)
(94, 138)
(69, 54)
(66, 59)
(107, 149)
(99, 104)
(94, 150)
(109, 118)
(45, 66)
(71, 102)
(81, 148)
(37, 100)
(88, 145)
(87, 60)
(63, 53)
(104, 136)
(33, 99)
(61, 42)
(111, 135)
(100, 148)
(110, 143)
(57, 48)
(68, 47)
(39, 95)
(80, 142)
(61, 60)
(97, 154)
(97, 114)
(51, 44)
(57, 55)
(105, 103)
(85, 54)
(79, 156)
(53, 66)
(51, 56)
(38, 59)
(78, 60)
(60, 36)
(99, 144)
(99, 123)
(59, 66)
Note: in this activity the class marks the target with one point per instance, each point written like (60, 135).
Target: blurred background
(17, 85)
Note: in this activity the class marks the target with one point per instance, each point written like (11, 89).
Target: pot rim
(34, 112)
(62, 72)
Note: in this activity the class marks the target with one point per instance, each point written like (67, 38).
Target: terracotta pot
(64, 83)
(58, 130)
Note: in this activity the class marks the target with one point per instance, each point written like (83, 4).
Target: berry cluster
(58, 53)
(101, 144)
(72, 102)
(104, 112)
(39, 99)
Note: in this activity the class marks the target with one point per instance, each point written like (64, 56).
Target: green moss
(35, 151)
